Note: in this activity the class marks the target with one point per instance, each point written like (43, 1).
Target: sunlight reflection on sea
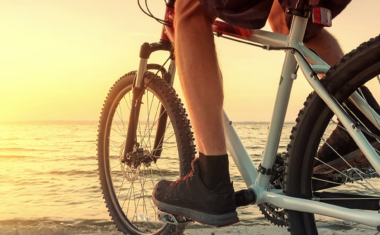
(48, 173)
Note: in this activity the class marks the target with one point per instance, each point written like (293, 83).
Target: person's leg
(200, 74)
(326, 46)
(323, 42)
(205, 194)
(202, 85)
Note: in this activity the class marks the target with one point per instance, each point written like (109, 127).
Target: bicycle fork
(138, 91)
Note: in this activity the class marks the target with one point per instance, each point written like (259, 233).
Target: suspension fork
(138, 91)
(161, 125)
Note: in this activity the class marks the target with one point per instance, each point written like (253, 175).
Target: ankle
(214, 169)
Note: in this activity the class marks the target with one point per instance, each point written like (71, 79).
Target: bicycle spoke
(143, 192)
(115, 178)
(159, 170)
(150, 108)
(168, 138)
(369, 107)
(117, 131)
(155, 115)
(129, 201)
(340, 172)
(147, 111)
(163, 149)
(127, 104)
(114, 167)
(136, 206)
(134, 200)
(360, 122)
(162, 143)
(157, 120)
(128, 192)
(133, 180)
(343, 128)
(115, 149)
(150, 200)
(121, 186)
(142, 142)
(122, 120)
(349, 165)
(331, 182)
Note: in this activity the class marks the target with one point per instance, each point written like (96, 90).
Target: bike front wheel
(323, 161)
(127, 183)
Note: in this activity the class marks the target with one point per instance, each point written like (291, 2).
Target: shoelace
(191, 174)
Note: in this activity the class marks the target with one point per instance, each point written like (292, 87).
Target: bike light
(322, 16)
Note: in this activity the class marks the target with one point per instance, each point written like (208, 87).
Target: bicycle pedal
(172, 219)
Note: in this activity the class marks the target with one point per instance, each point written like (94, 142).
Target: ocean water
(49, 178)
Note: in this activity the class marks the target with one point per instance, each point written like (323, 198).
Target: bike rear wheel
(127, 183)
(309, 171)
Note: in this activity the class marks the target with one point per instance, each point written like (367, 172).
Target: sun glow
(59, 58)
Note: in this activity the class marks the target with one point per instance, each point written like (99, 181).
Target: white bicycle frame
(258, 182)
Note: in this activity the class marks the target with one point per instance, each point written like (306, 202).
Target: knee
(276, 19)
(277, 27)
(191, 12)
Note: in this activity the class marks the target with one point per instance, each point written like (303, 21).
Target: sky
(58, 58)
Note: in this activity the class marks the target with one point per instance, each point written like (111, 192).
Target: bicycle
(158, 130)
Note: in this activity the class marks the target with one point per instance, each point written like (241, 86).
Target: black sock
(214, 169)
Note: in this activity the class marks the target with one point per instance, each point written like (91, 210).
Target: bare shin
(200, 75)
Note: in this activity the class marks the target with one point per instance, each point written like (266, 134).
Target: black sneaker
(190, 198)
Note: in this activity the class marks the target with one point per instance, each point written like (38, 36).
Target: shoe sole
(215, 220)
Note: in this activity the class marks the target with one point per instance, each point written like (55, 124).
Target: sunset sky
(59, 58)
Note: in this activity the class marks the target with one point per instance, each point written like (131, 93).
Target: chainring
(274, 214)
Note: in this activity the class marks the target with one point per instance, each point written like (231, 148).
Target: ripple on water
(61, 169)
(14, 156)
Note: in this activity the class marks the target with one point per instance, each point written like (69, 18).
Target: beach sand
(341, 228)
(347, 228)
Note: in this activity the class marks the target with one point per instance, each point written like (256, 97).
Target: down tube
(239, 154)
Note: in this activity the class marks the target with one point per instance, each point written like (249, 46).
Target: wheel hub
(137, 157)
(131, 163)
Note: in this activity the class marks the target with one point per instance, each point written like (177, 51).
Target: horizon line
(89, 121)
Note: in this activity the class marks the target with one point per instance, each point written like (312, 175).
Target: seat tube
(281, 103)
